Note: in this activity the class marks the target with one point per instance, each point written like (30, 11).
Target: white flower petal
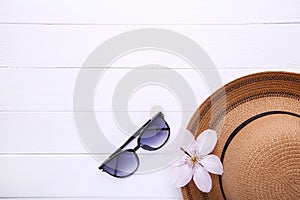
(202, 179)
(181, 161)
(182, 175)
(186, 139)
(207, 141)
(194, 149)
(212, 164)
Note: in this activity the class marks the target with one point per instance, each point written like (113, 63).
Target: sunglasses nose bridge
(136, 148)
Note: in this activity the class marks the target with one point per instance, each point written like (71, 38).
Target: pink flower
(196, 163)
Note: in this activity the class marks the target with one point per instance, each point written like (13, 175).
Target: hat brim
(241, 100)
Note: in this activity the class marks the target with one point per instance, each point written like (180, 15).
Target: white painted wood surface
(154, 12)
(257, 46)
(43, 44)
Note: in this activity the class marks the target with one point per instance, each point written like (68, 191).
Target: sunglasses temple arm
(130, 139)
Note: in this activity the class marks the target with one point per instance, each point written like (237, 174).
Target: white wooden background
(44, 43)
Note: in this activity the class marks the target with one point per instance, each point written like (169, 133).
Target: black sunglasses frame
(139, 133)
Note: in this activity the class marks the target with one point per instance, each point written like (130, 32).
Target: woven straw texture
(262, 160)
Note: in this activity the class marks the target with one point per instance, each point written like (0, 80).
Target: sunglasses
(151, 136)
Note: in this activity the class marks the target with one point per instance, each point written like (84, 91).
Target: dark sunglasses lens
(122, 165)
(155, 135)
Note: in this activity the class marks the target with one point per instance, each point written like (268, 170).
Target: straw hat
(257, 119)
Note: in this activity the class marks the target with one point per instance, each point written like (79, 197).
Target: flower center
(194, 159)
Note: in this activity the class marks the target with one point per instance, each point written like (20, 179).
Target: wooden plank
(52, 90)
(154, 12)
(76, 177)
(57, 133)
(238, 47)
